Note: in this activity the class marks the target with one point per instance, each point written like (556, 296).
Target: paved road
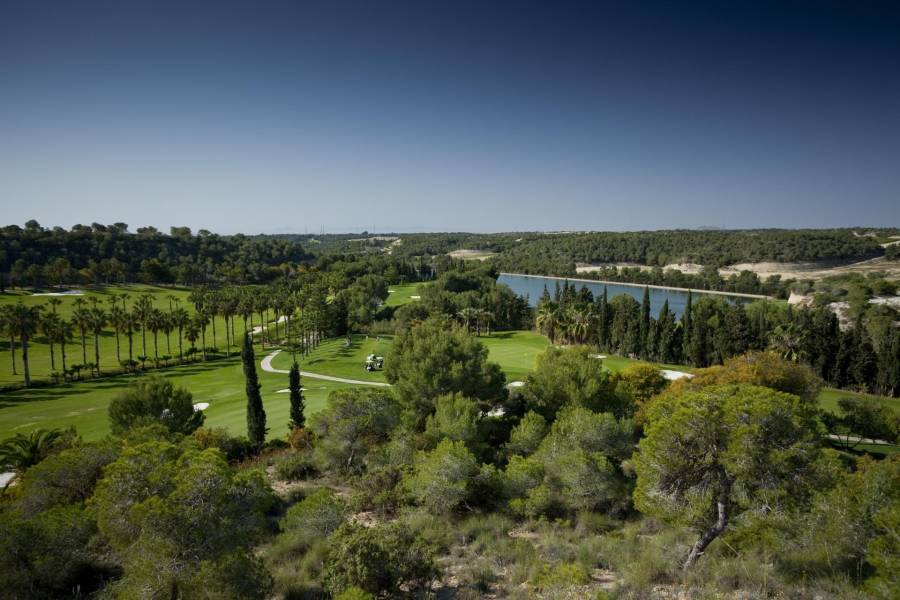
(266, 365)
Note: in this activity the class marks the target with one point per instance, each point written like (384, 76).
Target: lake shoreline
(647, 285)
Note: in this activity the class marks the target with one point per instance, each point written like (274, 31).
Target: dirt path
(266, 365)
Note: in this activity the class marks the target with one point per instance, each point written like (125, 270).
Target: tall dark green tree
(298, 419)
(256, 414)
(645, 324)
(687, 326)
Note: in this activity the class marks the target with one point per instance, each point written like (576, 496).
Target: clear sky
(484, 116)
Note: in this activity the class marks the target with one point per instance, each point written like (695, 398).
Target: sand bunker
(66, 293)
(675, 375)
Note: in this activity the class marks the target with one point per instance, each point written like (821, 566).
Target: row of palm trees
(133, 319)
(476, 319)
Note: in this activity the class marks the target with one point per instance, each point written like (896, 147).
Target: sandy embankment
(472, 254)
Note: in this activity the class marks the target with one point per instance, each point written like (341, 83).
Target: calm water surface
(533, 287)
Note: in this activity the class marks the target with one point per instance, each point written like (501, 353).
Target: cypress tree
(604, 320)
(256, 414)
(687, 326)
(297, 405)
(644, 348)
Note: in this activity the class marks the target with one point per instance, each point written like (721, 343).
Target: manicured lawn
(334, 357)
(220, 383)
(515, 351)
(828, 399)
(39, 349)
(402, 293)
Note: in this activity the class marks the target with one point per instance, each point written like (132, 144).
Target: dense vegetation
(712, 330)
(579, 482)
(36, 256)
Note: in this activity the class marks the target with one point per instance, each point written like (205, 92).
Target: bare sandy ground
(800, 270)
(815, 270)
(472, 254)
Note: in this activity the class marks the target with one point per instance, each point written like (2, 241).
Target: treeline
(745, 282)
(466, 292)
(712, 330)
(342, 293)
(36, 256)
(558, 254)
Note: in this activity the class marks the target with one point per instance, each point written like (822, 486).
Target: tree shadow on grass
(57, 392)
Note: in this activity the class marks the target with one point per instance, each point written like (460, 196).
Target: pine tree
(298, 419)
(256, 414)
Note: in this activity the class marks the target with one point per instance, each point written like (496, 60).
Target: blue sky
(482, 116)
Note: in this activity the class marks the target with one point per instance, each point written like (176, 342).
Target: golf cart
(374, 363)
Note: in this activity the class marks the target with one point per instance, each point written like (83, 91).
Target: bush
(295, 466)
(354, 593)
(316, 516)
(235, 449)
(154, 400)
(561, 575)
(442, 479)
(378, 560)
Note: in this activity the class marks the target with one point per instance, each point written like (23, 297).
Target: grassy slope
(401, 294)
(220, 383)
(39, 350)
(333, 357)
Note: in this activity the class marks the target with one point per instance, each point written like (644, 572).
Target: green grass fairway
(515, 351)
(828, 399)
(220, 383)
(402, 293)
(334, 358)
(39, 350)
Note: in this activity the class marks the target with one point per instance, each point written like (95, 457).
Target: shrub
(442, 479)
(235, 449)
(378, 560)
(294, 466)
(354, 593)
(316, 516)
(154, 400)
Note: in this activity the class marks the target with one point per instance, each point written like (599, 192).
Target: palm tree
(6, 326)
(192, 332)
(49, 324)
(124, 298)
(98, 320)
(81, 317)
(142, 309)
(579, 322)
(212, 309)
(21, 451)
(24, 322)
(547, 319)
(788, 341)
(155, 324)
(129, 324)
(180, 319)
(468, 315)
(117, 316)
(54, 302)
(63, 332)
